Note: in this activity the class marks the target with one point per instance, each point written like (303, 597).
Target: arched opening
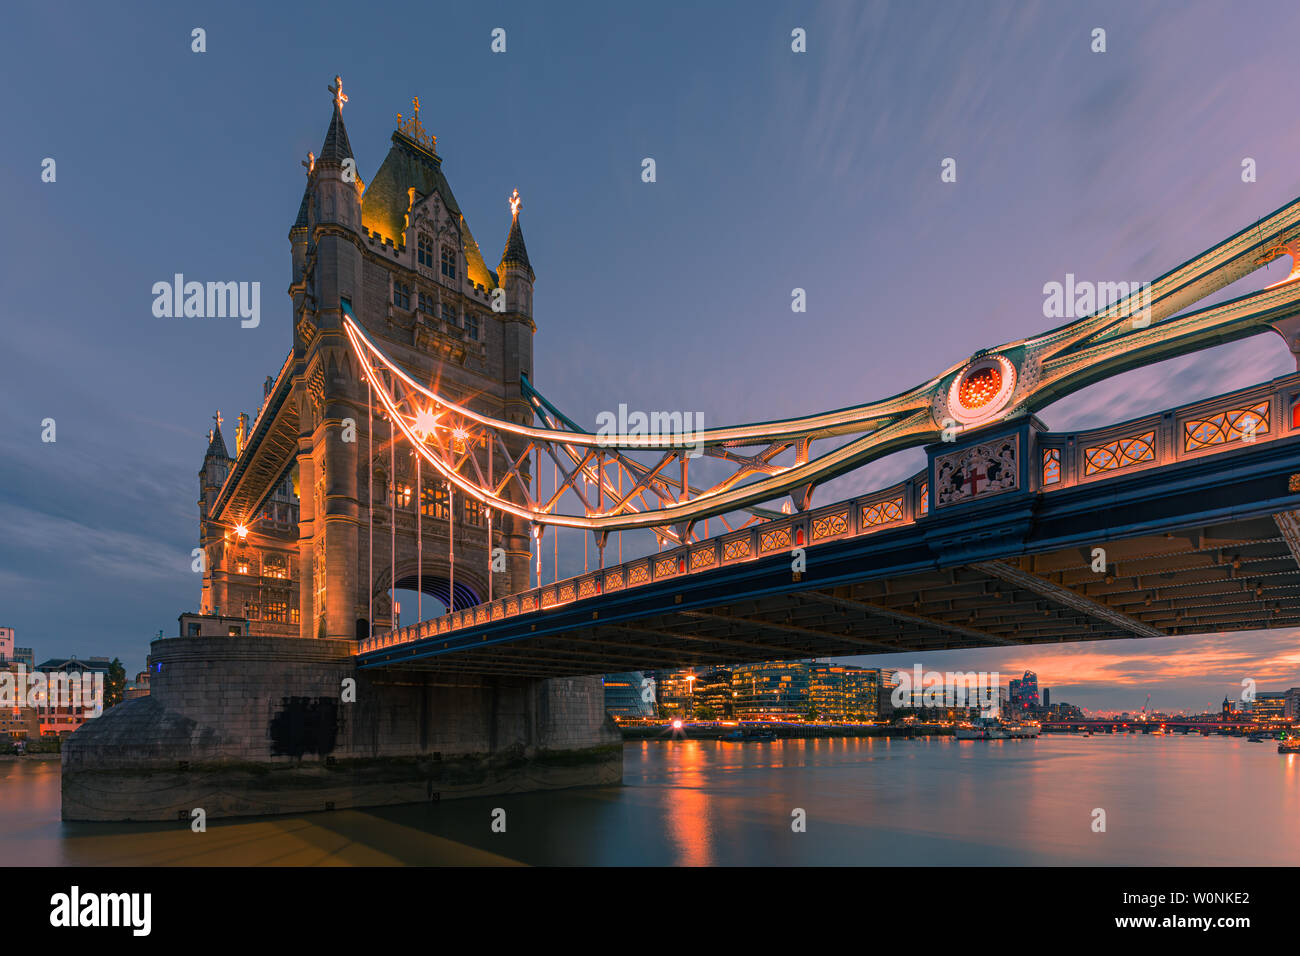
(436, 592)
(363, 629)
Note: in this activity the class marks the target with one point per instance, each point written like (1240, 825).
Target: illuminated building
(63, 717)
(624, 695)
(315, 522)
(885, 694)
(673, 693)
(1270, 706)
(713, 695)
(1293, 704)
(774, 690)
(18, 721)
(1024, 693)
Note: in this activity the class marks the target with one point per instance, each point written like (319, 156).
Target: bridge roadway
(1197, 521)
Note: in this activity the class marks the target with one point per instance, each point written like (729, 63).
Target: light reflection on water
(1169, 801)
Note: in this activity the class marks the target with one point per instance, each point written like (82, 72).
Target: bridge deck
(1198, 537)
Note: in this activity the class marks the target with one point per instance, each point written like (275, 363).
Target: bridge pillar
(256, 725)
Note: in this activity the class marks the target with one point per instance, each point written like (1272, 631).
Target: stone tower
(399, 252)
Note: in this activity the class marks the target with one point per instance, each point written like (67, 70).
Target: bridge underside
(1189, 583)
(1238, 574)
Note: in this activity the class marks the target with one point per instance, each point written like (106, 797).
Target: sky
(775, 170)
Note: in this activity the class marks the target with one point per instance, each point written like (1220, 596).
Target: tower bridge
(403, 445)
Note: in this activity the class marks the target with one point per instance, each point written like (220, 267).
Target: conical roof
(217, 445)
(516, 253)
(336, 147)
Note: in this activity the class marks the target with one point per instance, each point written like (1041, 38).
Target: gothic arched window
(424, 250)
(401, 295)
(449, 262)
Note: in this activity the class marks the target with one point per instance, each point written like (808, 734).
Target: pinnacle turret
(336, 147)
(516, 253)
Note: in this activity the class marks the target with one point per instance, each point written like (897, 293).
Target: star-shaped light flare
(426, 422)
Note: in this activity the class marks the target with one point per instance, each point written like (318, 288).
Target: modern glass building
(625, 695)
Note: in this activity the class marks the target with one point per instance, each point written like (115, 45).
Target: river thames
(1173, 800)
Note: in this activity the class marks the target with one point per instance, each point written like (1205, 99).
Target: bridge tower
(399, 252)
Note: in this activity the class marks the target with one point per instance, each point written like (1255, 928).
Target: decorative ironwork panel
(498, 612)
(587, 588)
(528, 604)
(702, 558)
(1120, 453)
(978, 471)
(775, 540)
(925, 497)
(735, 548)
(512, 607)
(613, 580)
(567, 592)
(1051, 466)
(480, 615)
(882, 512)
(548, 597)
(828, 526)
(638, 574)
(1237, 424)
(665, 567)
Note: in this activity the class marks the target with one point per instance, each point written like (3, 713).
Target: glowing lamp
(241, 531)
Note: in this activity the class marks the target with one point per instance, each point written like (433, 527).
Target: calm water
(1169, 801)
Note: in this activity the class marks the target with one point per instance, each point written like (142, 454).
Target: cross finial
(515, 203)
(339, 96)
(218, 419)
(310, 162)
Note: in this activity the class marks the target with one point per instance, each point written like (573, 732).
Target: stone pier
(241, 726)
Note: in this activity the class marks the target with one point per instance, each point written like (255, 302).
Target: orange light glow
(241, 531)
(425, 423)
(979, 387)
(515, 203)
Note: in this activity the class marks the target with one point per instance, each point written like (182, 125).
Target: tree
(114, 684)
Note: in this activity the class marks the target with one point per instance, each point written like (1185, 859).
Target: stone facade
(400, 252)
(260, 725)
(259, 722)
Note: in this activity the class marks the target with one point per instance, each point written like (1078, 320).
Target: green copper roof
(387, 199)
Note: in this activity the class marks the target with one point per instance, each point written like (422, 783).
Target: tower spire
(336, 148)
(516, 253)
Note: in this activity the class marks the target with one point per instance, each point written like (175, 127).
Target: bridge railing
(1260, 413)
(892, 507)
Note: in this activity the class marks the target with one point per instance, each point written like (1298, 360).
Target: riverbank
(775, 731)
(7, 758)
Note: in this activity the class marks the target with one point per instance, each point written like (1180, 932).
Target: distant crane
(1144, 706)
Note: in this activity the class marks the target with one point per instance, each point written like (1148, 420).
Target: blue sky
(775, 170)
